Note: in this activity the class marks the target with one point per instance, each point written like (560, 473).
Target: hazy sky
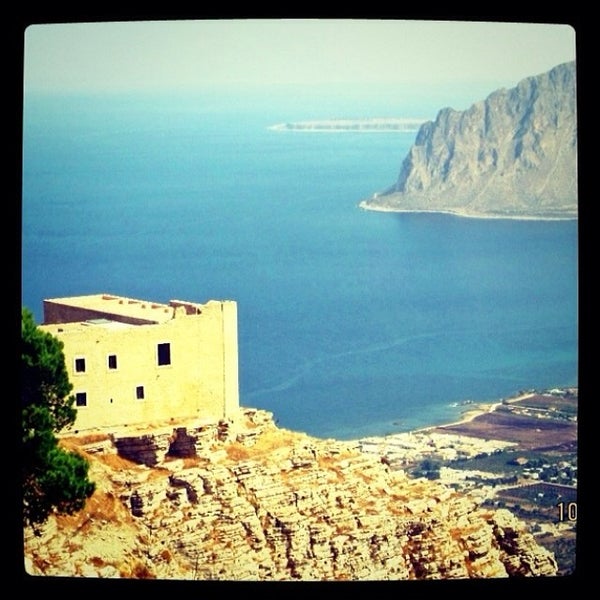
(175, 54)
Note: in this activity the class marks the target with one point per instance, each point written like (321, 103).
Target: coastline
(534, 421)
(475, 410)
(462, 213)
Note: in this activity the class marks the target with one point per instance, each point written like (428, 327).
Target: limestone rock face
(254, 502)
(513, 154)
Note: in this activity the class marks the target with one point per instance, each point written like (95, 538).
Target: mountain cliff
(512, 155)
(247, 500)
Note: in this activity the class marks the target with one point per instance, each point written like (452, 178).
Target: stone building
(133, 362)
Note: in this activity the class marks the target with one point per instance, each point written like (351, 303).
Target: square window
(80, 365)
(139, 392)
(112, 361)
(80, 399)
(164, 354)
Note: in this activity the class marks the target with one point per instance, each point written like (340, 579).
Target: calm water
(351, 322)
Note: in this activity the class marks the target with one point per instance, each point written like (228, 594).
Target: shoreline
(468, 415)
(490, 426)
(476, 410)
(461, 213)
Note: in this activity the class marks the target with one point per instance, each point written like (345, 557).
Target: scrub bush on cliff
(54, 480)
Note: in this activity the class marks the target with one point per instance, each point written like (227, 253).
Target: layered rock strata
(249, 501)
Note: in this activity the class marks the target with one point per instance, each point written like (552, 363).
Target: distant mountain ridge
(513, 154)
(367, 124)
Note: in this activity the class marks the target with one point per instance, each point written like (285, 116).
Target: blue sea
(351, 322)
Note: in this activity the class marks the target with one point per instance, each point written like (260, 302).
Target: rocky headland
(246, 500)
(512, 155)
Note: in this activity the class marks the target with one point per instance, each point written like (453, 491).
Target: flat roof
(110, 304)
(56, 328)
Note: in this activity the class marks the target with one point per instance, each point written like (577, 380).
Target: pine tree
(54, 480)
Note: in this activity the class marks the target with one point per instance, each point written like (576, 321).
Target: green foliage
(54, 480)
(428, 468)
(45, 385)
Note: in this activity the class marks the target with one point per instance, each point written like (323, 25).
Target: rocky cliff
(246, 500)
(512, 155)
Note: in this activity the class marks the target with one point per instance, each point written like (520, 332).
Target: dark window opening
(80, 365)
(164, 354)
(139, 392)
(112, 361)
(81, 399)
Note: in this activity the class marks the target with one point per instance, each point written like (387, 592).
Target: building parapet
(114, 308)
